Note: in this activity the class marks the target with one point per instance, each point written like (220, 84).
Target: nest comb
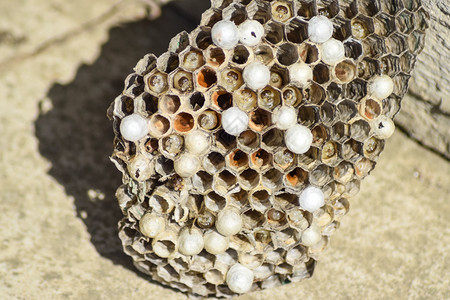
(240, 146)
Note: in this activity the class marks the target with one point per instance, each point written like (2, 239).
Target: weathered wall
(425, 113)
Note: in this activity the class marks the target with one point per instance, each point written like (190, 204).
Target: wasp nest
(241, 144)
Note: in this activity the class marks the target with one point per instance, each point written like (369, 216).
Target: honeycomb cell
(202, 181)
(308, 115)
(206, 77)
(345, 71)
(396, 43)
(342, 28)
(392, 7)
(307, 9)
(182, 82)
(269, 98)
(240, 55)
(282, 11)
(171, 145)
(320, 175)
(264, 54)
(329, 154)
(221, 99)
(237, 160)
(296, 178)
(260, 160)
(231, 79)
(374, 46)
(320, 135)
(215, 57)
(353, 49)
(309, 53)
(209, 120)
(287, 54)
(183, 122)
(370, 108)
(343, 172)
(203, 37)
(279, 76)
(248, 140)
(368, 68)
(170, 104)
(225, 140)
(245, 99)
(249, 179)
(157, 82)
(259, 200)
(360, 130)
(329, 9)
(159, 125)
(384, 24)
(260, 119)
(362, 26)
(340, 132)
(297, 31)
(321, 73)
(272, 179)
(214, 162)
(274, 33)
(291, 96)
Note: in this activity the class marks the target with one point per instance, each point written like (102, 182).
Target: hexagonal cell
(276, 218)
(342, 28)
(240, 55)
(374, 46)
(206, 77)
(237, 160)
(214, 162)
(286, 201)
(179, 42)
(279, 76)
(284, 159)
(224, 182)
(314, 94)
(272, 179)
(221, 99)
(264, 54)
(287, 54)
(329, 154)
(368, 67)
(321, 73)
(346, 110)
(372, 148)
(384, 24)
(182, 81)
(405, 22)
(269, 98)
(274, 33)
(320, 135)
(320, 176)
(369, 8)
(391, 105)
(156, 82)
(245, 99)
(209, 120)
(211, 17)
(151, 145)
(252, 219)
(370, 108)
(343, 172)
(249, 179)
(260, 159)
(273, 138)
(327, 113)
(396, 43)
(355, 90)
(344, 71)
(411, 5)
(171, 61)
(183, 122)
(169, 104)
(171, 145)
(353, 49)
(214, 202)
(400, 84)
(215, 57)
(248, 140)
(363, 167)
(362, 26)
(260, 119)
(351, 150)
(202, 181)
(159, 125)
(422, 18)
(296, 31)
(225, 140)
(334, 92)
(340, 132)
(392, 7)
(259, 11)
(240, 198)
(329, 9)
(296, 178)
(203, 37)
(309, 159)
(282, 11)
(307, 9)
(197, 101)
(416, 41)
(308, 115)
(407, 61)
(309, 53)
(236, 14)
(231, 79)
(260, 200)
(164, 166)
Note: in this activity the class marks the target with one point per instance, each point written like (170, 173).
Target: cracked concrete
(58, 237)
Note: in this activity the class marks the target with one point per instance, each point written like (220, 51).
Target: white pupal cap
(197, 142)
(190, 241)
(225, 34)
(133, 127)
(251, 32)
(215, 243)
(298, 139)
(311, 236)
(239, 278)
(384, 127)
(187, 165)
(320, 29)
(311, 199)
(151, 225)
(256, 75)
(234, 121)
(285, 117)
(381, 87)
(332, 51)
(229, 221)
(300, 73)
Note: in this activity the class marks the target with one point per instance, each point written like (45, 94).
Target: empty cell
(238, 160)
(159, 125)
(274, 33)
(345, 71)
(183, 122)
(272, 179)
(287, 54)
(240, 55)
(249, 179)
(248, 140)
(203, 37)
(225, 140)
(206, 77)
(215, 57)
(197, 101)
(284, 159)
(260, 119)
(214, 162)
(321, 73)
(222, 99)
(261, 159)
(297, 177)
(170, 104)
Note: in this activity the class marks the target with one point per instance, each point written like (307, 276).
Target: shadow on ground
(75, 135)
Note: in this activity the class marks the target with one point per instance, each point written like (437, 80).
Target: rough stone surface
(58, 236)
(425, 113)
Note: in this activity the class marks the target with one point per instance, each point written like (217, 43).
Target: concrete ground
(61, 64)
